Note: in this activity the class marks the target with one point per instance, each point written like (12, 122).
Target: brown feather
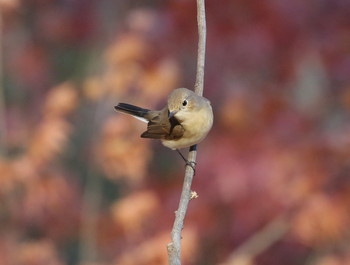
(161, 127)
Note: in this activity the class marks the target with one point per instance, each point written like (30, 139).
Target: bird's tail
(135, 111)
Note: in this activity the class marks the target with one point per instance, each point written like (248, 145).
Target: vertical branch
(92, 193)
(174, 248)
(260, 241)
(2, 93)
(202, 33)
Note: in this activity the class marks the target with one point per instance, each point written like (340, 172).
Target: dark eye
(184, 103)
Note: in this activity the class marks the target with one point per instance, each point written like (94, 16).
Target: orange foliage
(127, 48)
(61, 100)
(7, 177)
(121, 152)
(93, 89)
(37, 253)
(128, 66)
(48, 139)
(235, 114)
(44, 194)
(8, 5)
(149, 253)
(52, 133)
(135, 210)
(334, 260)
(321, 220)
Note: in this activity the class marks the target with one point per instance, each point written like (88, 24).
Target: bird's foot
(191, 164)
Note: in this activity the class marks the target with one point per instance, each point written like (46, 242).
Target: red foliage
(78, 185)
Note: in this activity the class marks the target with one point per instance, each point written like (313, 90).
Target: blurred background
(78, 185)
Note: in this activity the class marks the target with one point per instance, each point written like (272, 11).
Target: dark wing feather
(132, 110)
(161, 127)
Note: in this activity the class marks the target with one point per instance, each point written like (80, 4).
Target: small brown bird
(184, 121)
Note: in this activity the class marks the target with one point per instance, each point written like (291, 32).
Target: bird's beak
(171, 114)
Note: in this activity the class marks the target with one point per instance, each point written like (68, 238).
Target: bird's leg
(192, 164)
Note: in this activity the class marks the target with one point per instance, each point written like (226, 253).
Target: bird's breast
(196, 126)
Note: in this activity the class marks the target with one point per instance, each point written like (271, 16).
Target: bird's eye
(184, 103)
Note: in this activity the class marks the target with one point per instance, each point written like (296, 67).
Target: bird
(185, 120)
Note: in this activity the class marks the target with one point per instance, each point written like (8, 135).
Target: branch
(259, 242)
(174, 248)
(3, 129)
(202, 32)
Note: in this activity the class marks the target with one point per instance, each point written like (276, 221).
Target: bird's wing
(161, 127)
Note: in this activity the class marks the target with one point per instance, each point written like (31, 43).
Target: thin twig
(259, 242)
(3, 131)
(202, 33)
(92, 193)
(174, 248)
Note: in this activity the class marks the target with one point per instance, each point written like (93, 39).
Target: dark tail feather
(131, 109)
